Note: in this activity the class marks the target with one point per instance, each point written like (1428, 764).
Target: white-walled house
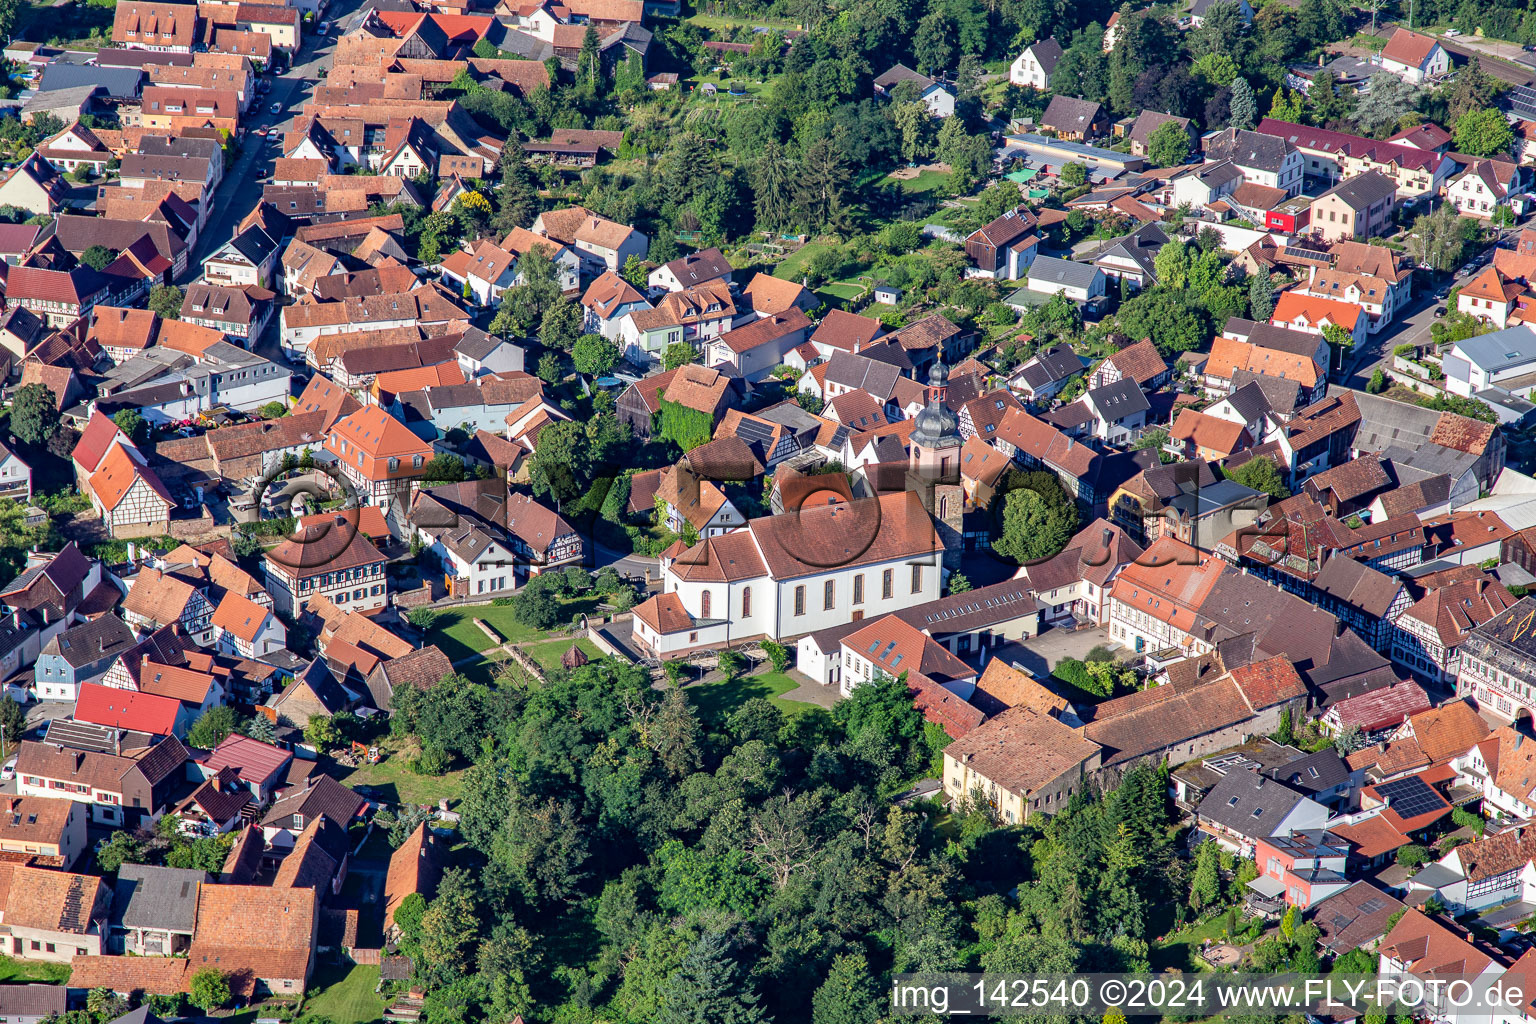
(1083, 283)
(1032, 69)
(1414, 57)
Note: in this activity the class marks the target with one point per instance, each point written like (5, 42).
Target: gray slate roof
(1118, 400)
(1051, 270)
(121, 82)
(1248, 149)
(148, 896)
(1249, 804)
(1364, 190)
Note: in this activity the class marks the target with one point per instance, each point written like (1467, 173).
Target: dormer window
(415, 461)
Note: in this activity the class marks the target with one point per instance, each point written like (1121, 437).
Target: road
(239, 192)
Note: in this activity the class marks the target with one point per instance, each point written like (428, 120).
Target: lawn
(31, 970)
(926, 181)
(721, 23)
(456, 634)
(392, 781)
(845, 291)
(549, 654)
(717, 700)
(346, 995)
(792, 267)
(1180, 949)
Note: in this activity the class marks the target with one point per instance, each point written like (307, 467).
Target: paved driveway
(1043, 653)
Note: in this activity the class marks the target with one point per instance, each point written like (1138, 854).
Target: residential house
(1119, 411)
(1247, 807)
(691, 386)
(1485, 186)
(324, 560)
(1021, 762)
(378, 455)
(1262, 159)
(131, 711)
(1201, 8)
(1043, 376)
(1414, 57)
(1300, 869)
(1357, 208)
(250, 630)
(414, 869)
(51, 830)
(607, 301)
(1033, 67)
(704, 267)
(120, 789)
(1130, 259)
(1332, 156)
(154, 909)
(934, 95)
(1075, 119)
(602, 244)
(1004, 247)
(753, 350)
(1147, 122)
(54, 915)
(1083, 283)
(81, 653)
(276, 958)
(695, 314)
(1140, 362)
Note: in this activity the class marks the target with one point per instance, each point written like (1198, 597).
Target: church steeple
(936, 426)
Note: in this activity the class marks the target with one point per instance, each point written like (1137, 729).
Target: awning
(1270, 888)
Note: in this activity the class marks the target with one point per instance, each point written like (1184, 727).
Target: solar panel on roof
(1411, 797)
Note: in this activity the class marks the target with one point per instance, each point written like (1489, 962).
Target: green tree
(166, 299)
(1205, 884)
(594, 355)
(273, 410)
(1286, 105)
(321, 733)
(97, 257)
(132, 423)
(778, 655)
(103, 1003)
(1439, 239)
(1244, 108)
(13, 722)
(1379, 111)
(1261, 474)
(444, 469)
(679, 353)
(1261, 296)
(635, 272)
(850, 995)
(1412, 856)
(1168, 145)
(959, 583)
(118, 849)
(561, 326)
(1035, 526)
(1484, 133)
(549, 370)
(1378, 382)
(1472, 90)
(589, 63)
(260, 728)
(212, 727)
(709, 986)
(34, 413)
(209, 989)
(243, 544)
(1074, 175)
(562, 466)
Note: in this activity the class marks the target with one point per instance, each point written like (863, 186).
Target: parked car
(1439, 311)
(276, 108)
(8, 770)
(325, 28)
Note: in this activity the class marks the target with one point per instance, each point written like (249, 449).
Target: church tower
(934, 468)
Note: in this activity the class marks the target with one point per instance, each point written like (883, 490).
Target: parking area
(1041, 654)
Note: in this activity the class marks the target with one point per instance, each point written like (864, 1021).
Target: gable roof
(1408, 47)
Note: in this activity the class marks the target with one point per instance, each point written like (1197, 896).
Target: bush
(1412, 856)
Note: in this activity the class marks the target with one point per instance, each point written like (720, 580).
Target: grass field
(392, 780)
(717, 700)
(346, 995)
(548, 655)
(456, 634)
(31, 970)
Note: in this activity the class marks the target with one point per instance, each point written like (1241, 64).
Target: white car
(8, 770)
(276, 108)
